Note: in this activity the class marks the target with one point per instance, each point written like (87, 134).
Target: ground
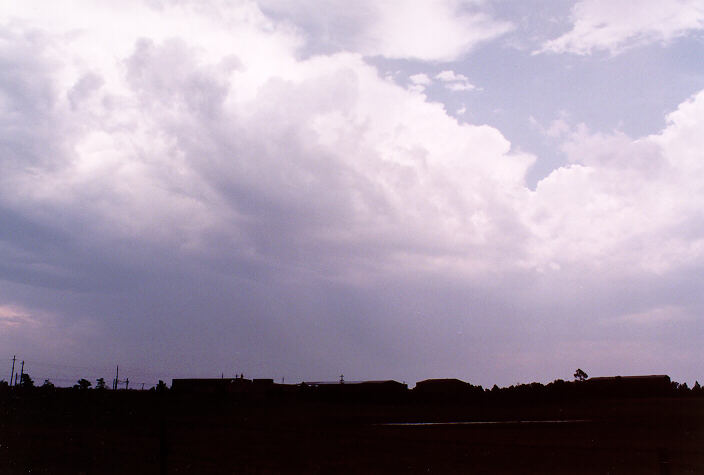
(146, 432)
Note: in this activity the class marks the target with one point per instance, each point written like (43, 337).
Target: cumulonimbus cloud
(164, 144)
(316, 151)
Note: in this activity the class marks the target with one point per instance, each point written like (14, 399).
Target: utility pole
(127, 383)
(114, 382)
(12, 373)
(22, 372)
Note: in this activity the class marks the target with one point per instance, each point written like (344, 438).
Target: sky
(496, 191)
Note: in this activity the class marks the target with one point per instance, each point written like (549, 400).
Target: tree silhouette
(26, 381)
(82, 384)
(100, 383)
(580, 375)
(161, 386)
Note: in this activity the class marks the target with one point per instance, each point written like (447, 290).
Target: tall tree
(580, 375)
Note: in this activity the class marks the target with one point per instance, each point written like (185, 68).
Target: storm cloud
(190, 189)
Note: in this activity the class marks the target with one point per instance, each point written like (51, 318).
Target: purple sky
(500, 192)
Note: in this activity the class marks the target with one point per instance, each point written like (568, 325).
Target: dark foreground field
(146, 432)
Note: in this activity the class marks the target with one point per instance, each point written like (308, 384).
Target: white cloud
(421, 79)
(450, 76)
(432, 30)
(460, 86)
(624, 204)
(615, 25)
(454, 81)
(557, 128)
(419, 82)
(225, 143)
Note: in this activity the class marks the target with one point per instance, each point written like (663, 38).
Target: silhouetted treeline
(558, 390)
(428, 391)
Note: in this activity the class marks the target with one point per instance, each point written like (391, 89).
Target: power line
(97, 369)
